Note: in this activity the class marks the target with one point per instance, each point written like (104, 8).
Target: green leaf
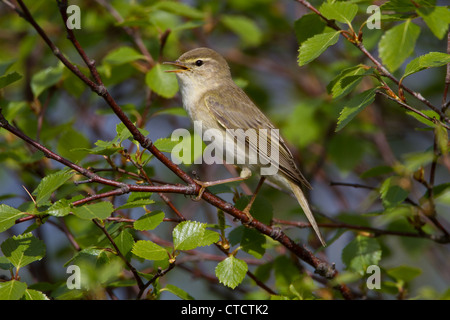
(231, 271)
(429, 60)
(105, 148)
(340, 11)
(149, 250)
(136, 203)
(441, 138)
(209, 237)
(250, 241)
(165, 144)
(122, 132)
(31, 294)
(99, 210)
(376, 171)
(180, 9)
(162, 83)
(124, 241)
(122, 55)
(149, 221)
(437, 19)
(50, 184)
(404, 273)
(360, 253)
(178, 292)
(431, 113)
(12, 77)
(45, 79)
(346, 151)
(60, 208)
(354, 106)
(8, 216)
(12, 290)
(415, 160)
(308, 26)
(315, 46)
(398, 6)
(23, 249)
(247, 30)
(398, 43)
(347, 80)
(72, 145)
(392, 194)
(187, 235)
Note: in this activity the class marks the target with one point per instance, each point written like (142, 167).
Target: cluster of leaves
(140, 230)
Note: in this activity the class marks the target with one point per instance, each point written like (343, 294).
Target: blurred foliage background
(381, 182)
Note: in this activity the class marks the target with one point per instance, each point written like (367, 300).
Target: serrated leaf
(45, 79)
(122, 55)
(31, 294)
(162, 83)
(165, 144)
(178, 292)
(187, 235)
(23, 249)
(360, 253)
(12, 77)
(398, 43)
(347, 80)
(99, 210)
(354, 106)
(149, 250)
(72, 144)
(437, 19)
(340, 11)
(50, 184)
(392, 194)
(8, 216)
(12, 290)
(231, 271)
(105, 148)
(209, 237)
(60, 208)
(398, 6)
(429, 60)
(124, 241)
(136, 203)
(149, 221)
(315, 46)
(247, 30)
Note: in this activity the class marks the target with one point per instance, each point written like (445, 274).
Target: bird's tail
(305, 206)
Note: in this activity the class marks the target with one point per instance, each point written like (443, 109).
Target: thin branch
(408, 107)
(157, 275)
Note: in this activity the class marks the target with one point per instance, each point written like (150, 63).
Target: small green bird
(211, 97)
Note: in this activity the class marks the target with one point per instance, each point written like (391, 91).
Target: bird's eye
(198, 63)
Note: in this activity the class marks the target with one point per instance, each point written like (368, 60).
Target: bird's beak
(181, 67)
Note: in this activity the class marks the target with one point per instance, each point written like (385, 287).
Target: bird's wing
(239, 112)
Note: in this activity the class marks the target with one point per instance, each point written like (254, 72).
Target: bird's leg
(249, 205)
(245, 174)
